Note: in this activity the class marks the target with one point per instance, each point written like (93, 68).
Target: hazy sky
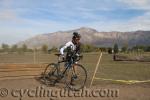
(21, 19)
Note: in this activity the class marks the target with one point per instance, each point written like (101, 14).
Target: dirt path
(126, 92)
(22, 83)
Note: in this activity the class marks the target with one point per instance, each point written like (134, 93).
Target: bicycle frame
(68, 66)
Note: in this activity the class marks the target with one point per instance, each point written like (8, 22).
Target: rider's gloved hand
(77, 55)
(63, 57)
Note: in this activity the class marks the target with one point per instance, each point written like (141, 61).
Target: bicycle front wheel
(76, 77)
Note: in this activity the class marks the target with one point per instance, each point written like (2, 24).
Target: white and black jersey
(74, 47)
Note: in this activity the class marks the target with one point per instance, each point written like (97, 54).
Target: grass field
(109, 69)
(23, 71)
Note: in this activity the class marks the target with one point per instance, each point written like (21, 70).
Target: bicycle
(75, 75)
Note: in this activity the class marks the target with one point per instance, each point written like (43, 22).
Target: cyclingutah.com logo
(45, 92)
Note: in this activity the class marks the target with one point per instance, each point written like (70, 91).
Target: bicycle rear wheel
(50, 73)
(76, 77)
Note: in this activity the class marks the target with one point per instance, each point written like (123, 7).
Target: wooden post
(97, 65)
(34, 55)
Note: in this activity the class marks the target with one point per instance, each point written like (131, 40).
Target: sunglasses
(77, 39)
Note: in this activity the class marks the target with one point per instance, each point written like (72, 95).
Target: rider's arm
(78, 48)
(64, 47)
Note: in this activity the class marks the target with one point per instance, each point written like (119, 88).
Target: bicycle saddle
(58, 54)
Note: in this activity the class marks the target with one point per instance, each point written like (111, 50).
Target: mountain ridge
(89, 36)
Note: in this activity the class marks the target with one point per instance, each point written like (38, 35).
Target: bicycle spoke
(76, 78)
(49, 73)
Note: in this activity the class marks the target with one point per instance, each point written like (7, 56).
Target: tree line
(24, 48)
(84, 48)
(126, 49)
(14, 48)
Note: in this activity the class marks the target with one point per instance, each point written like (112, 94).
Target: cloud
(27, 18)
(139, 23)
(137, 4)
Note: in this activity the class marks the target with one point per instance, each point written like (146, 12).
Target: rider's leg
(75, 69)
(74, 74)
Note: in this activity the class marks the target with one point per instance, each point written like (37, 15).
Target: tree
(147, 49)
(44, 48)
(103, 49)
(110, 50)
(88, 48)
(5, 47)
(124, 49)
(14, 48)
(116, 50)
(53, 49)
(24, 48)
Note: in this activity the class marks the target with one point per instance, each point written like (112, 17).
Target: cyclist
(72, 46)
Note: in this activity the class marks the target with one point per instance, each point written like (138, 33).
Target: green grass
(121, 70)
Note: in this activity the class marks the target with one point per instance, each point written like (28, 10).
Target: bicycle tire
(49, 72)
(68, 78)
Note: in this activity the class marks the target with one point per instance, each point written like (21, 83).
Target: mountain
(89, 36)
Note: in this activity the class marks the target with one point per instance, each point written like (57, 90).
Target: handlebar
(78, 58)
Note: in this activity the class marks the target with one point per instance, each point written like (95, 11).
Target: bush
(116, 50)
(89, 48)
(110, 50)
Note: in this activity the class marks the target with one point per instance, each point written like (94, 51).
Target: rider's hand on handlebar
(77, 55)
(63, 57)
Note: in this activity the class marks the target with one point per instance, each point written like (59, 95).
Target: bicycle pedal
(74, 77)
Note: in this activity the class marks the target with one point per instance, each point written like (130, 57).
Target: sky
(22, 19)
